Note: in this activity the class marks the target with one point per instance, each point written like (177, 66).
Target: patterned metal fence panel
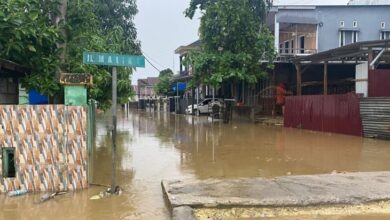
(50, 147)
(376, 117)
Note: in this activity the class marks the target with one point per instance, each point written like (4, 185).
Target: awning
(297, 20)
(354, 52)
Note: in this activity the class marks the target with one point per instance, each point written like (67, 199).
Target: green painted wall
(75, 95)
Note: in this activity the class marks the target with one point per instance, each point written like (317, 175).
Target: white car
(205, 106)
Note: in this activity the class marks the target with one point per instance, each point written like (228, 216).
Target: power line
(154, 61)
(146, 58)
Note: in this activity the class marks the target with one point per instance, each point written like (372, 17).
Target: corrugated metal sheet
(376, 117)
(369, 2)
(309, 2)
(378, 83)
(331, 113)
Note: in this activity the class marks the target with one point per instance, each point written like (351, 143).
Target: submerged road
(158, 146)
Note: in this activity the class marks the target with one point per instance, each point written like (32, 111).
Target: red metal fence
(330, 113)
(378, 83)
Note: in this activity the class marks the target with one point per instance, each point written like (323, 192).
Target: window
(8, 162)
(355, 24)
(383, 25)
(302, 44)
(385, 35)
(342, 38)
(286, 46)
(280, 48)
(341, 23)
(355, 36)
(292, 47)
(348, 37)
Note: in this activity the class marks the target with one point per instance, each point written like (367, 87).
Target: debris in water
(17, 193)
(107, 193)
(49, 196)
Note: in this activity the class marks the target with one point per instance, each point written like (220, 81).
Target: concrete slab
(311, 190)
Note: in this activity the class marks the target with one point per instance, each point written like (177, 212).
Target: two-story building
(315, 28)
(308, 27)
(145, 88)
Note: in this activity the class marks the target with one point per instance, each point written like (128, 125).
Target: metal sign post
(114, 122)
(114, 60)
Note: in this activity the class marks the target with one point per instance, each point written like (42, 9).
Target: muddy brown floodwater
(156, 146)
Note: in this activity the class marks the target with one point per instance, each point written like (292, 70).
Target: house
(308, 27)
(315, 29)
(145, 87)
(335, 61)
(10, 75)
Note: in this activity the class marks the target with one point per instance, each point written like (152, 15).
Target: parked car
(205, 106)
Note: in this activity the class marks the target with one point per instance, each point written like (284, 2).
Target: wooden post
(299, 79)
(326, 78)
(370, 58)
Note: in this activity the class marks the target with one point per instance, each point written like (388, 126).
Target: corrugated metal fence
(376, 117)
(330, 113)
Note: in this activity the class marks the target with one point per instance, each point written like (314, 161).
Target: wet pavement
(156, 146)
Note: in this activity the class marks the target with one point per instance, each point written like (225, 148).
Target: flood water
(157, 146)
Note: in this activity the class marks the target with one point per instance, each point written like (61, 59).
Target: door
(204, 106)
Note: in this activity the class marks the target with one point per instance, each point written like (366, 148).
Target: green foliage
(234, 41)
(104, 26)
(30, 36)
(163, 85)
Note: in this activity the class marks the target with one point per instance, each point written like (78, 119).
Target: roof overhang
(179, 78)
(297, 20)
(352, 52)
(185, 49)
(11, 69)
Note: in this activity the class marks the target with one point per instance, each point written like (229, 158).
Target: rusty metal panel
(331, 113)
(376, 117)
(378, 83)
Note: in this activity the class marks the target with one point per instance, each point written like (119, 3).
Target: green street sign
(112, 59)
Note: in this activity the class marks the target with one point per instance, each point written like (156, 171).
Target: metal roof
(309, 2)
(329, 2)
(356, 51)
(9, 68)
(369, 2)
(184, 49)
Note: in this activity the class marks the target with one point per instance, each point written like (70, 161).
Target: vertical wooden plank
(299, 79)
(326, 78)
(370, 58)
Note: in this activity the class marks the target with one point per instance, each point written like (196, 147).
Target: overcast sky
(162, 28)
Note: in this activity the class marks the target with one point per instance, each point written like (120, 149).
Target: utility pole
(114, 125)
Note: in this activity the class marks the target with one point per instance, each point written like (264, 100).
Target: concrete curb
(290, 191)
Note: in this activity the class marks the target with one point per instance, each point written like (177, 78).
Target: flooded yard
(157, 146)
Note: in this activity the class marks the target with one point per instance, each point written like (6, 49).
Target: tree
(29, 37)
(34, 34)
(234, 40)
(163, 86)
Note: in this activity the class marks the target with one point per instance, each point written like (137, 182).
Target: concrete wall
(50, 147)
